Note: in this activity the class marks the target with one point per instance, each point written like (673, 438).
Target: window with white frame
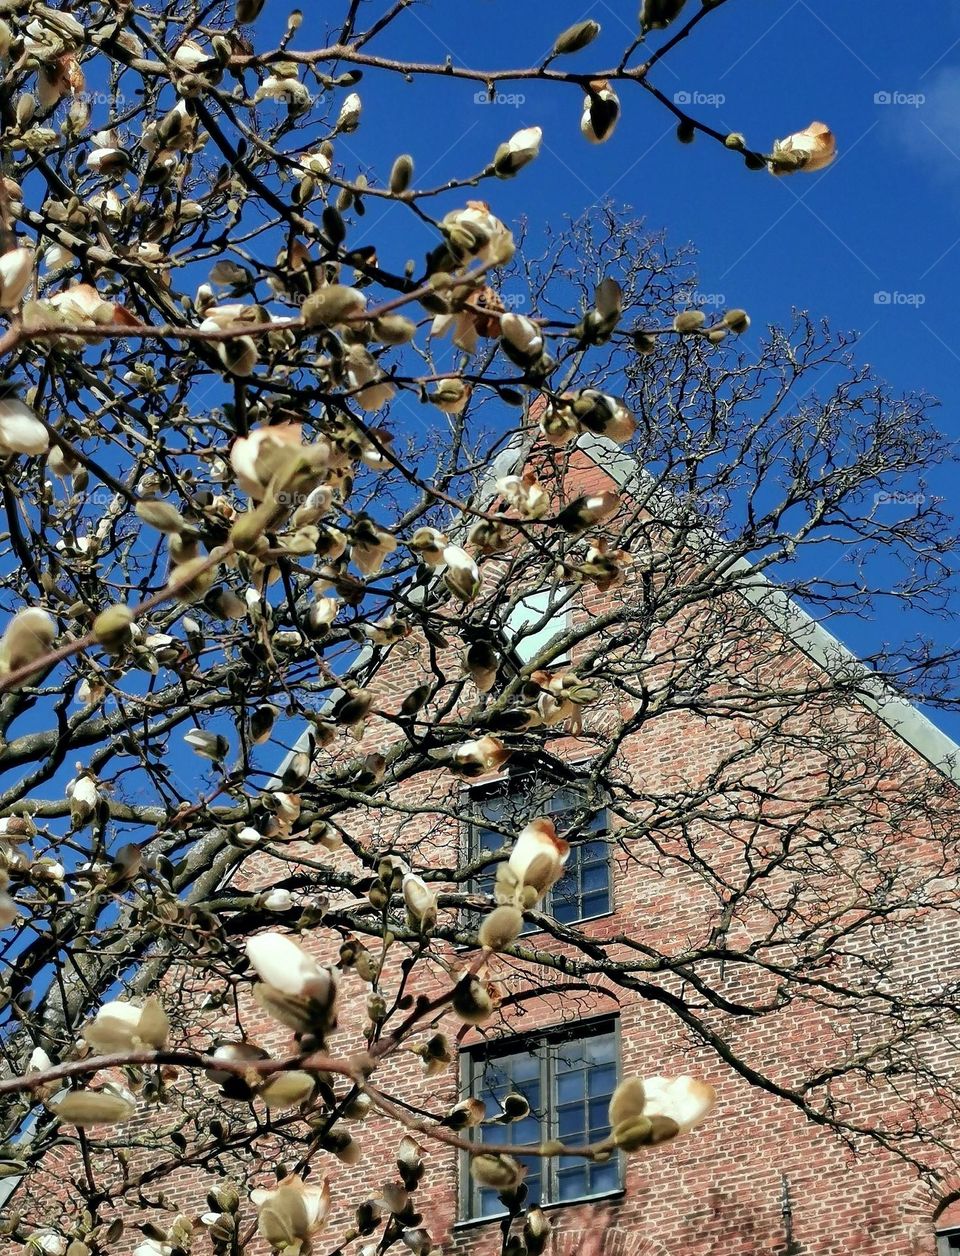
(948, 1242)
(567, 1077)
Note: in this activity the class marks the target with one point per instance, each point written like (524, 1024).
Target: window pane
(584, 890)
(585, 1076)
(529, 611)
(573, 1181)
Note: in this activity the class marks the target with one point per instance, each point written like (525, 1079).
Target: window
(506, 806)
(948, 1242)
(567, 1078)
(529, 611)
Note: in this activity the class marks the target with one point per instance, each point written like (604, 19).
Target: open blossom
(524, 494)
(519, 150)
(370, 387)
(120, 1026)
(538, 856)
(462, 575)
(601, 112)
(21, 432)
(650, 1110)
(683, 1100)
(291, 1213)
(474, 232)
(475, 758)
(190, 54)
(16, 268)
(810, 149)
(287, 967)
(479, 318)
(256, 457)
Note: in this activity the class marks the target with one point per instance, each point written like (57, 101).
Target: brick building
(761, 1176)
(662, 951)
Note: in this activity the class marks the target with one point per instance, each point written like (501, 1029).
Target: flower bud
(536, 1231)
(21, 432)
(518, 151)
(120, 1026)
(521, 338)
(420, 902)
(112, 629)
(401, 173)
(655, 15)
(287, 1090)
(634, 1133)
(16, 268)
(538, 856)
(627, 1101)
(601, 112)
(498, 1172)
(330, 305)
(471, 1001)
(689, 321)
(93, 1107)
(27, 638)
(462, 576)
(585, 512)
(500, 928)
(575, 37)
(429, 544)
(737, 320)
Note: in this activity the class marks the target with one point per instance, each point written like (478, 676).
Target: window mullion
(549, 1172)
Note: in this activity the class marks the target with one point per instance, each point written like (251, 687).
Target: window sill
(473, 1223)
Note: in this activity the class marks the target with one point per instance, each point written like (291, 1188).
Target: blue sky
(873, 242)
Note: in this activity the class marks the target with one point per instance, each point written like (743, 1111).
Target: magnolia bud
(471, 1001)
(162, 516)
(93, 1107)
(576, 37)
(286, 1090)
(536, 1231)
(28, 637)
(689, 320)
(500, 928)
(330, 305)
(657, 14)
(500, 1173)
(401, 173)
(737, 320)
(112, 629)
(636, 1133)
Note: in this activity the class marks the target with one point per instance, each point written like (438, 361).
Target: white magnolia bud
(16, 267)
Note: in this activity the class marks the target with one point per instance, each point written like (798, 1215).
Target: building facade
(759, 893)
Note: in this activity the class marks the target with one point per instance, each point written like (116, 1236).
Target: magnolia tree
(266, 487)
